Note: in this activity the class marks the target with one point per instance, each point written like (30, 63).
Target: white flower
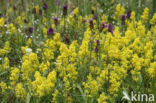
(28, 50)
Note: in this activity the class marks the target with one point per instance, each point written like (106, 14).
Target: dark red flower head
(45, 6)
(110, 28)
(56, 20)
(128, 15)
(50, 31)
(83, 20)
(65, 8)
(91, 23)
(96, 49)
(40, 12)
(98, 42)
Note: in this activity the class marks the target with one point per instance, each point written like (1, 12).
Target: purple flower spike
(91, 23)
(98, 42)
(40, 12)
(58, 2)
(30, 35)
(56, 20)
(34, 10)
(96, 49)
(6, 22)
(45, 6)
(123, 18)
(110, 28)
(65, 8)
(104, 25)
(128, 15)
(83, 20)
(30, 30)
(95, 16)
(90, 20)
(50, 31)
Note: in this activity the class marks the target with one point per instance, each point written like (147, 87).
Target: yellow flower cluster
(136, 63)
(55, 95)
(2, 22)
(19, 20)
(42, 85)
(14, 77)
(48, 51)
(76, 11)
(102, 98)
(37, 9)
(6, 48)
(29, 65)
(151, 70)
(3, 86)
(11, 28)
(132, 15)
(102, 78)
(83, 50)
(20, 91)
(6, 64)
(145, 15)
(120, 10)
(153, 20)
(91, 86)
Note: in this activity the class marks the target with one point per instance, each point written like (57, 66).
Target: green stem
(154, 6)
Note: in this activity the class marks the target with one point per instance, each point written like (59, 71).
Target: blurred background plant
(84, 5)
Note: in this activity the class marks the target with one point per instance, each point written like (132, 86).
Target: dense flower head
(102, 98)
(102, 26)
(50, 31)
(34, 10)
(20, 91)
(128, 15)
(3, 86)
(83, 20)
(58, 2)
(56, 20)
(40, 12)
(96, 49)
(45, 6)
(76, 11)
(65, 8)
(119, 11)
(145, 15)
(123, 18)
(2, 22)
(110, 28)
(91, 23)
(98, 42)
(30, 30)
(14, 75)
(153, 20)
